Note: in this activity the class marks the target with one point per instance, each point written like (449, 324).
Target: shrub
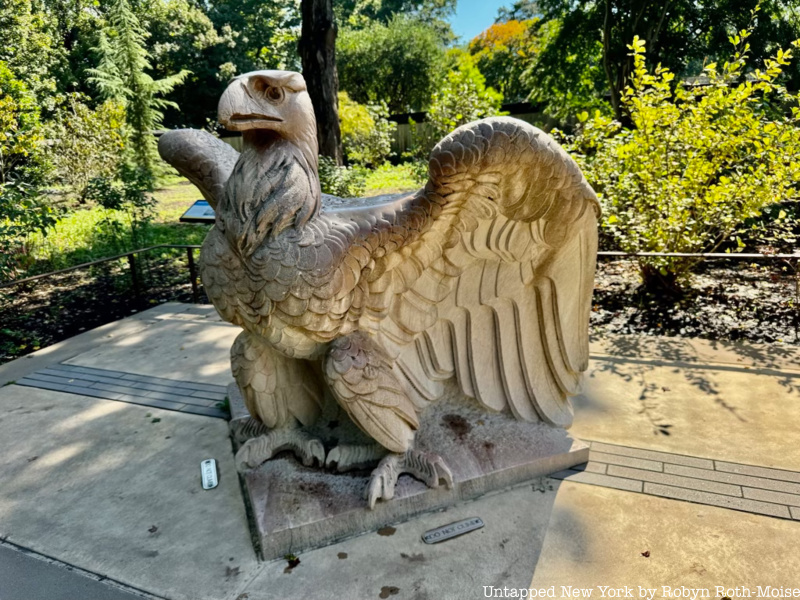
(697, 162)
(346, 182)
(366, 131)
(85, 144)
(125, 194)
(463, 97)
(23, 171)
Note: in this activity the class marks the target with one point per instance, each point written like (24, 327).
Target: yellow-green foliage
(366, 133)
(462, 97)
(86, 143)
(697, 161)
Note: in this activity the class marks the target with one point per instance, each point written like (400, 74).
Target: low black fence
(43, 309)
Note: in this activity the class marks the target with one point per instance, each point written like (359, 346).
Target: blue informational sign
(199, 212)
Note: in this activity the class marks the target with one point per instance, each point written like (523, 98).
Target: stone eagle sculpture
(485, 274)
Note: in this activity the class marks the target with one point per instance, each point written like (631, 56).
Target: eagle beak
(241, 109)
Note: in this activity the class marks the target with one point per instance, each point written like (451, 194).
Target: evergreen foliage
(122, 77)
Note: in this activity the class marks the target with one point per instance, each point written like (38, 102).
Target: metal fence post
(134, 275)
(193, 275)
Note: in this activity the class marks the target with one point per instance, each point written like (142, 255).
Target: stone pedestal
(294, 508)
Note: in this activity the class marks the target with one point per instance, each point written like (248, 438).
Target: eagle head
(275, 184)
(270, 101)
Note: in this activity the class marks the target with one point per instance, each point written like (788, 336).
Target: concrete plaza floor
(106, 492)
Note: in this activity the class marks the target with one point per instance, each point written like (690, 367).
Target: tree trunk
(318, 54)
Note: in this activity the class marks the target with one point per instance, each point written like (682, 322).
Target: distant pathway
(760, 490)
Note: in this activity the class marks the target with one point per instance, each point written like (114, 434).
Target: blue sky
(473, 16)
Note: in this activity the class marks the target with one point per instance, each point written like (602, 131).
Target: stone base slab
(293, 508)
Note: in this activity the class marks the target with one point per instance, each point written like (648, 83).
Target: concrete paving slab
(85, 479)
(27, 576)
(777, 356)
(169, 348)
(115, 489)
(396, 563)
(722, 412)
(597, 536)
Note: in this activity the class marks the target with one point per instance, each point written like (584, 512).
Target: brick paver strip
(769, 496)
(665, 457)
(626, 461)
(733, 478)
(675, 480)
(157, 392)
(753, 506)
(749, 488)
(592, 467)
(628, 485)
(757, 471)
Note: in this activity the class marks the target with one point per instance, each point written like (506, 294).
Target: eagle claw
(257, 450)
(428, 468)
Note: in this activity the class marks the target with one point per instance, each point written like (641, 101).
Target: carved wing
(497, 288)
(204, 159)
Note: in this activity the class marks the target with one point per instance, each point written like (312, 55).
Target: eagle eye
(274, 93)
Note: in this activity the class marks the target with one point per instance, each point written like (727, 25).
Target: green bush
(345, 182)
(85, 143)
(462, 97)
(697, 163)
(127, 194)
(366, 131)
(23, 172)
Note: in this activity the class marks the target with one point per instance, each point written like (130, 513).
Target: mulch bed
(728, 300)
(46, 311)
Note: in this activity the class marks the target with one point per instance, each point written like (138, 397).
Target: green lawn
(88, 234)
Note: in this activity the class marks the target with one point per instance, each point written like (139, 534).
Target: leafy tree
(502, 51)
(677, 34)
(358, 14)
(366, 131)
(27, 48)
(121, 76)
(576, 83)
(258, 34)
(696, 162)
(23, 170)
(399, 63)
(85, 143)
(182, 36)
(463, 97)
(521, 10)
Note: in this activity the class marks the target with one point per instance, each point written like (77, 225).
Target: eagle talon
(256, 451)
(348, 457)
(428, 468)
